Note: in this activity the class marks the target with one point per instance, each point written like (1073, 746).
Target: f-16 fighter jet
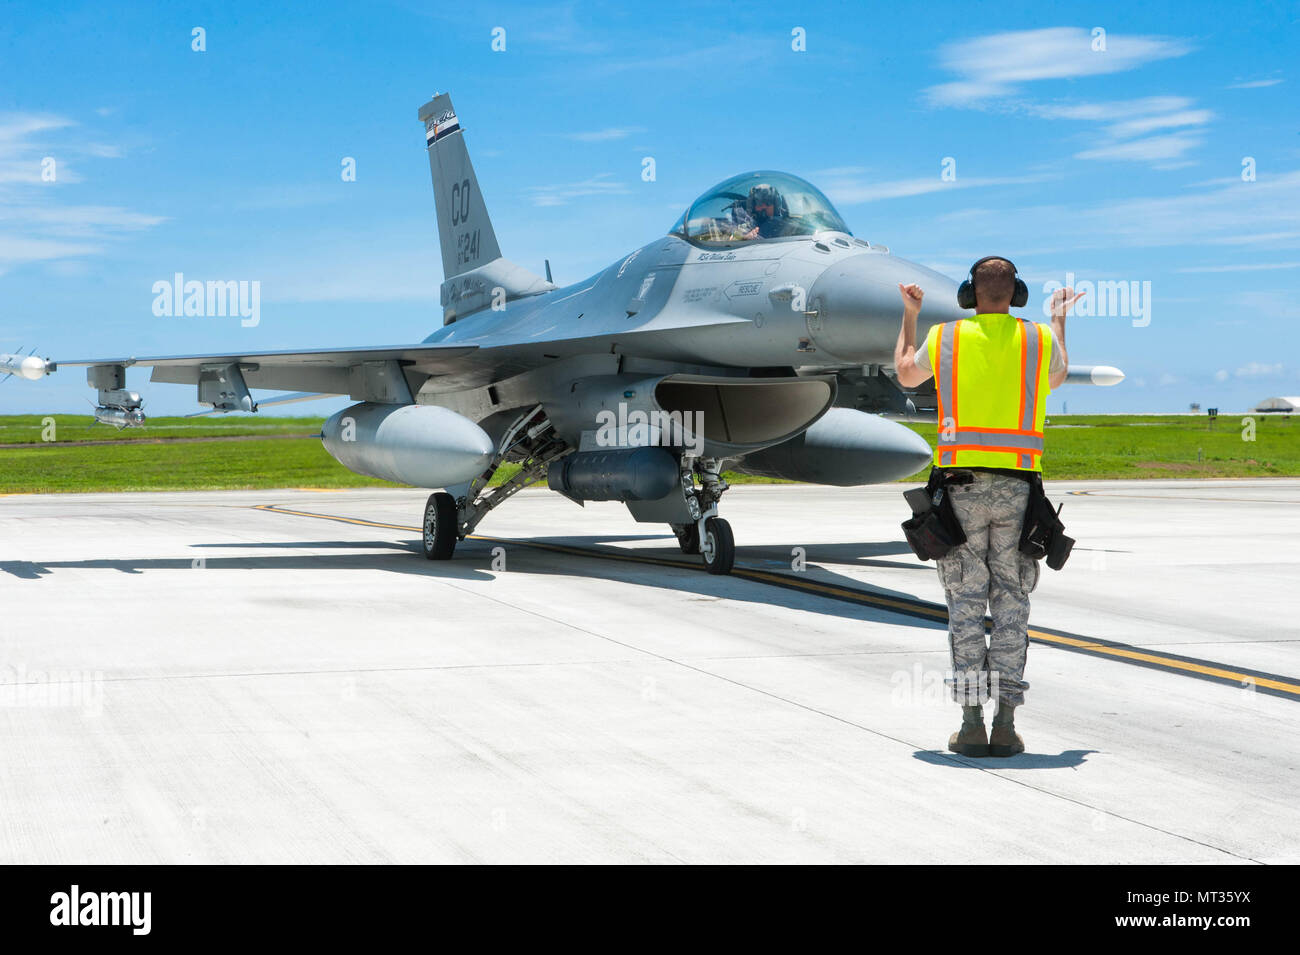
(756, 335)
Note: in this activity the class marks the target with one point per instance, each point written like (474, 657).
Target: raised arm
(909, 376)
(1063, 300)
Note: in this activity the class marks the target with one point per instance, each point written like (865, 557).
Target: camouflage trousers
(988, 572)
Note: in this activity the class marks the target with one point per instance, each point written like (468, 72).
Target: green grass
(33, 429)
(1078, 446)
(1090, 447)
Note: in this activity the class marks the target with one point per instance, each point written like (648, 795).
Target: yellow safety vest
(990, 373)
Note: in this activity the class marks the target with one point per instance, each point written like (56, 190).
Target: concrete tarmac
(190, 677)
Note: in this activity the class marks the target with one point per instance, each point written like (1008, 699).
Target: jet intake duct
(844, 448)
(421, 445)
(745, 413)
(626, 474)
(705, 415)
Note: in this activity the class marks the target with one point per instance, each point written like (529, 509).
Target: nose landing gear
(707, 535)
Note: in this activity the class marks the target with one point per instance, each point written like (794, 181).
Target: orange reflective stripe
(988, 447)
(1036, 434)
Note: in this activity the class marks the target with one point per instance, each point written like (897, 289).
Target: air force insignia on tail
(440, 126)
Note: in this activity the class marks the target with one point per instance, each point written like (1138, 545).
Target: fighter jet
(756, 335)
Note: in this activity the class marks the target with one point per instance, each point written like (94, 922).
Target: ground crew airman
(992, 375)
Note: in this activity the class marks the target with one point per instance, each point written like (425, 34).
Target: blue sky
(1122, 164)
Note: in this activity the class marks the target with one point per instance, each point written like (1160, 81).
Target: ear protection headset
(966, 291)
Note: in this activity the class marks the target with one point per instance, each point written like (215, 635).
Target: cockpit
(757, 206)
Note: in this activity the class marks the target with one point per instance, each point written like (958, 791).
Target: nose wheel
(717, 546)
(440, 531)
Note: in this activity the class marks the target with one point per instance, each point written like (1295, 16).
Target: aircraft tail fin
(468, 239)
(472, 265)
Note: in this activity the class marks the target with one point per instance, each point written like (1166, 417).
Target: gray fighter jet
(757, 335)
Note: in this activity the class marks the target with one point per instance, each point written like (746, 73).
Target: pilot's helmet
(764, 194)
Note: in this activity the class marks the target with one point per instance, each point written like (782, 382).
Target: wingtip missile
(1104, 375)
(25, 366)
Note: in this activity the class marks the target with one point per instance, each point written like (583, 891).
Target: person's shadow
(1069, 759)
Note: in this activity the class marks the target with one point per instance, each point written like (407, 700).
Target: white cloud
(1147, 124)
(1264, 214)
(1111, 109)
(559, 194)
(1250, 267)
(35, 226)
(1221, 375)
(1153, 148)
(1254, 84)
(997, 65)
(604, 135)
(1256, 369)
(992, 69)
(850, 187)
(16, 128)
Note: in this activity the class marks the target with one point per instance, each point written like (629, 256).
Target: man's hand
(909, 376)
(1063, 300)
(912, 296)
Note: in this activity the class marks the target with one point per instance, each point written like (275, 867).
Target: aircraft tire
(439, 526)
(688, 537)
(720, 555)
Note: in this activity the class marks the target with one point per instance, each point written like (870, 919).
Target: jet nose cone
(858, 306)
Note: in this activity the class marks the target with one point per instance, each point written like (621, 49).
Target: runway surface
(278, 676)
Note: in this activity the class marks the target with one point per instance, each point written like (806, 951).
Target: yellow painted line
(277, 509)
(1163, 661)
(845, 593)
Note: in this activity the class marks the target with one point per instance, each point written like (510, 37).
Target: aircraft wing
(326, 371)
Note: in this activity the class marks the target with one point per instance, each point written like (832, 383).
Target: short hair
(995, 281)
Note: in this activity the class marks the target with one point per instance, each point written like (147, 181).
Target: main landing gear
(530, 442)
(707, 535)
(440, 531)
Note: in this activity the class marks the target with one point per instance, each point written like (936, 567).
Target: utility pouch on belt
(1043, 534)
(933, 529)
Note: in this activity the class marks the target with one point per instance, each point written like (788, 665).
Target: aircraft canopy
(756, 206)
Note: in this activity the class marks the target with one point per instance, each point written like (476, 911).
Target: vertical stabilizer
(475, 276)
(468, 240)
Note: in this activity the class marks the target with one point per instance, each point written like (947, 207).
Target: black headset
(966, 291)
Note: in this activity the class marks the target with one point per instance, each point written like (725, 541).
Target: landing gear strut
(532, 443)
(708, 535)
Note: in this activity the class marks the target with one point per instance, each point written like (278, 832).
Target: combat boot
(1005, 741)
(972, 739)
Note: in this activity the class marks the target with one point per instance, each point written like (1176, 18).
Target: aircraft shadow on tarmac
(1069, 759)
(474, 558)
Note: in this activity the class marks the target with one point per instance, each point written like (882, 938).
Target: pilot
(762, 215)
(994, 370)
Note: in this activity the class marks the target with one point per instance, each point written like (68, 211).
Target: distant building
(1287, 405)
